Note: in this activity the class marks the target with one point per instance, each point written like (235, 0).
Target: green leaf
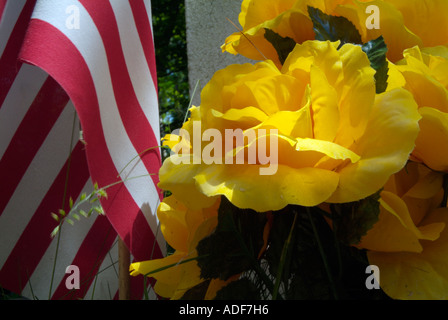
(303, 275)
(94, 199)
(376, 52)
(70, 221)
(83, 196)
(333, 28)
(83, 213)
(62, 212)
(234, 245)
(55, 231)
(76, 216)
(55, 216)
(352, 220)
(99, 210)
(102, 193)
(70, 202)
(283, 45)
(197, 292)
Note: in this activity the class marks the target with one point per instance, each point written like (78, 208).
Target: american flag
(68, 67)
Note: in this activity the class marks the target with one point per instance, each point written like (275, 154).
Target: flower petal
(241, 184)
(330, 149)
(171, 214)
(431, 145)
(384, 147)
(179, 179)
(395, 231)
(417, 276)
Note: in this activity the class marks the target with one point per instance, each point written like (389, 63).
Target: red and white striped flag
(61, 60)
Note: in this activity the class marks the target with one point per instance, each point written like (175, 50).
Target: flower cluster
(354, 116)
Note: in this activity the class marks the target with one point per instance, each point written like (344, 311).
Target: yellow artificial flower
(425, 74)
(330, 137)
(402, 23)
(182, 228)
(409, 243)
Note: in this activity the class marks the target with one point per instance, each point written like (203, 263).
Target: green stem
(173, 265)
(322, 254)
(283, 259)
(253, 261)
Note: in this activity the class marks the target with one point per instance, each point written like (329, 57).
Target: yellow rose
(182, 228)
(425, 74)
(409, 243)
(330, 137)
(402, 23)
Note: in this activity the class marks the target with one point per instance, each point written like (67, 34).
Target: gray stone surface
(207, 29)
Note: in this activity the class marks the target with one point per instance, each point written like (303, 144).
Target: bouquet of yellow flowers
(320, 171)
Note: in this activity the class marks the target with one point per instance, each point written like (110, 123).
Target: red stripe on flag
(9, 65)
(46, 47)
(2, 7)
(34, 128)
(145, 33)
(88, 259)
(36, 239)
(134, 120)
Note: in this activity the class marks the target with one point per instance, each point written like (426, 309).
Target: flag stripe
(117, 140)
(2, 7)
(26, 86)
(89, 258)
(107, 70)
(140, 69)
(35, 238)
(134, 120)
(30, 136)
(146, 39)
(36, 182)
(62, 249)
(8, 21)
(101, 166)
(8, 61)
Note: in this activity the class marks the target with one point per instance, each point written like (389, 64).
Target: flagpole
(124, 261)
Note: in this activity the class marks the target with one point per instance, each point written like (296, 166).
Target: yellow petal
(294, 124)
(427, 187)
(243, 184)
(417, 276)
(273, 94)
(330, 149)
(171, 214)
(324, 106)
(356, 94)
(425, 18)
(179, 179)
(384, 147)
(246, 117)
(395, 231)
(392, 26)
(431, 145)
(427, 91)
(153, 268)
